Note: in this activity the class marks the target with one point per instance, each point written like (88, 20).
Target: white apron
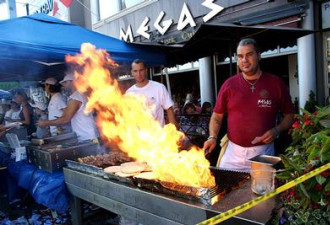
(237, 157)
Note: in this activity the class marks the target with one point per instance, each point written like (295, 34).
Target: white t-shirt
(55, 110)
(8, 115)
(83, 125)
(156, 94)
(15, 115)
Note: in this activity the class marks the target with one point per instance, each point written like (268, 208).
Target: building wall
(237, 11)
(240, 12)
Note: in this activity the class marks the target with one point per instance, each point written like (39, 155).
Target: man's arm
(214, 127)
(171, 117)
(3, 130)
(68, 113)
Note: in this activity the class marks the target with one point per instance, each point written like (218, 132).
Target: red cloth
(251, 114)
(67, 3)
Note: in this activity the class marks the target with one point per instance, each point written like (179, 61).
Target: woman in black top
(26, 114)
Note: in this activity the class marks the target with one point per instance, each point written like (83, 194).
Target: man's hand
(42, 123)
(209, 145)
(268, 137)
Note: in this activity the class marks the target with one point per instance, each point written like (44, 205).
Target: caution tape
(241, 208)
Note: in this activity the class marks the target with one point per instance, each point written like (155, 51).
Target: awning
(222, 39)
(34, 47)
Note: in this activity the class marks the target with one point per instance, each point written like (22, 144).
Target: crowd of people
(57, 116)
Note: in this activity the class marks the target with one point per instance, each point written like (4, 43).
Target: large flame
(127, 121)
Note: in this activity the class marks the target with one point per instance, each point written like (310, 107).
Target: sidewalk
(28, 212)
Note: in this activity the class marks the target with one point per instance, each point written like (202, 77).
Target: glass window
(130, 3)
(109, 8)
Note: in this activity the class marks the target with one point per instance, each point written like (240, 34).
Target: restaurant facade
(304, 65)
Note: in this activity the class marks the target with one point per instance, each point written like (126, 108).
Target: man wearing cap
(83, 125)
(56, 106)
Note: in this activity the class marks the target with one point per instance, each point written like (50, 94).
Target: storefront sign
(178, 38)
(45, 8)
(326, 15)
(55, 8)
(162, 27)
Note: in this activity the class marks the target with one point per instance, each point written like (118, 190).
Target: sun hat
(50, 80)
(68, 76)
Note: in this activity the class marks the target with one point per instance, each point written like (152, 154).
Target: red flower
(296, 125)
(315, 205)
(325, 173)
(306, 122)
(318, 187)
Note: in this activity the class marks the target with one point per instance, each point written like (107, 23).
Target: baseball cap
(50, 80)
(67, 77)
(39, 105)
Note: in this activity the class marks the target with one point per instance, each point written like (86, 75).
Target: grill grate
(225, 182)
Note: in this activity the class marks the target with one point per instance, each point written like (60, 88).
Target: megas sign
(162, 27)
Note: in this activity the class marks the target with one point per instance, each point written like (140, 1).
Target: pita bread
(133, 164)
(133, 168)
(121, 174)
(147, 176)
(112, 169)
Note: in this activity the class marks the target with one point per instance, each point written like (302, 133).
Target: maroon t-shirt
(251, 114)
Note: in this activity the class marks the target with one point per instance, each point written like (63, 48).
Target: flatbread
(147, 176)
(133, 164)
(121, 174)
(112, 169)
(133, 168)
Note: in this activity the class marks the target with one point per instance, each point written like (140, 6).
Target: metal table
(154, 208)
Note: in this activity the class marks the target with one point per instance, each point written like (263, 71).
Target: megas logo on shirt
(264, 103)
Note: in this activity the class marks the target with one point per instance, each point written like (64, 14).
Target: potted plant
(308, 202)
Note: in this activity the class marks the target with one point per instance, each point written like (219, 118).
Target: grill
(225, 182)
(49, 154)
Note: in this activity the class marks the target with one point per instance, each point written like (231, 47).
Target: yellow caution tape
(241, 208)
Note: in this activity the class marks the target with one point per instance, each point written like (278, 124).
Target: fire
(126, 120)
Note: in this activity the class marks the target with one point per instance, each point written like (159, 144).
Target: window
(130, 3)
(109, 8)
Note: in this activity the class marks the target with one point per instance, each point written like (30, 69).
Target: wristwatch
(277, 132)
(211, 137)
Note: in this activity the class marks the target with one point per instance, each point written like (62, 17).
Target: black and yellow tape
(241, 208)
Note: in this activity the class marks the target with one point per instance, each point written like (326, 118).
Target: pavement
(27, 212)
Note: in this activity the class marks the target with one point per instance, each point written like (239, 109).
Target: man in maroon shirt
(251, 99)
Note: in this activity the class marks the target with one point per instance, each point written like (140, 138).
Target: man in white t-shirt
(155, 93)
(56, 105)
(83, 125)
